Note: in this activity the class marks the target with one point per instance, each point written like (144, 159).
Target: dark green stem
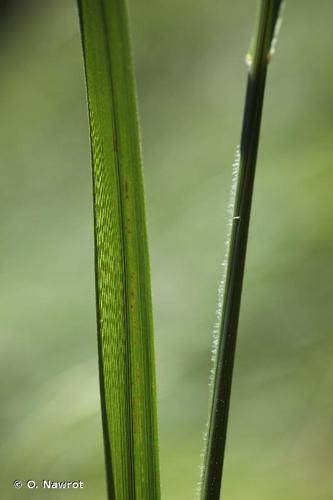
(216, 441)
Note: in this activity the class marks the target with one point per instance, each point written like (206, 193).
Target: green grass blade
(124, 313)
(258, 59)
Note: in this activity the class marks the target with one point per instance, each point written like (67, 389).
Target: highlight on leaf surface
(124, 312)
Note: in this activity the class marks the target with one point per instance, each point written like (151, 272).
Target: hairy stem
(217, 429)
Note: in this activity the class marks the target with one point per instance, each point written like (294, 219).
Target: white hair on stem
(220, 296)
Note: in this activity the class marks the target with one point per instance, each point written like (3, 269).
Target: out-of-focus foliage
(191, 78)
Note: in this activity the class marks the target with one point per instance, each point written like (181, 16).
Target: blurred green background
(191, 77)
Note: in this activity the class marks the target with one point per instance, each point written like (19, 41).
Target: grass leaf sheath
(124, 313)
(258, 59)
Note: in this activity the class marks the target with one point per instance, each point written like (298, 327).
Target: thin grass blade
(124, 312)
(257, 60)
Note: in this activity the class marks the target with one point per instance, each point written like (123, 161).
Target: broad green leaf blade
(257, 60)
(124, 312)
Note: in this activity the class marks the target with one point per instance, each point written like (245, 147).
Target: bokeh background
(191, 76)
